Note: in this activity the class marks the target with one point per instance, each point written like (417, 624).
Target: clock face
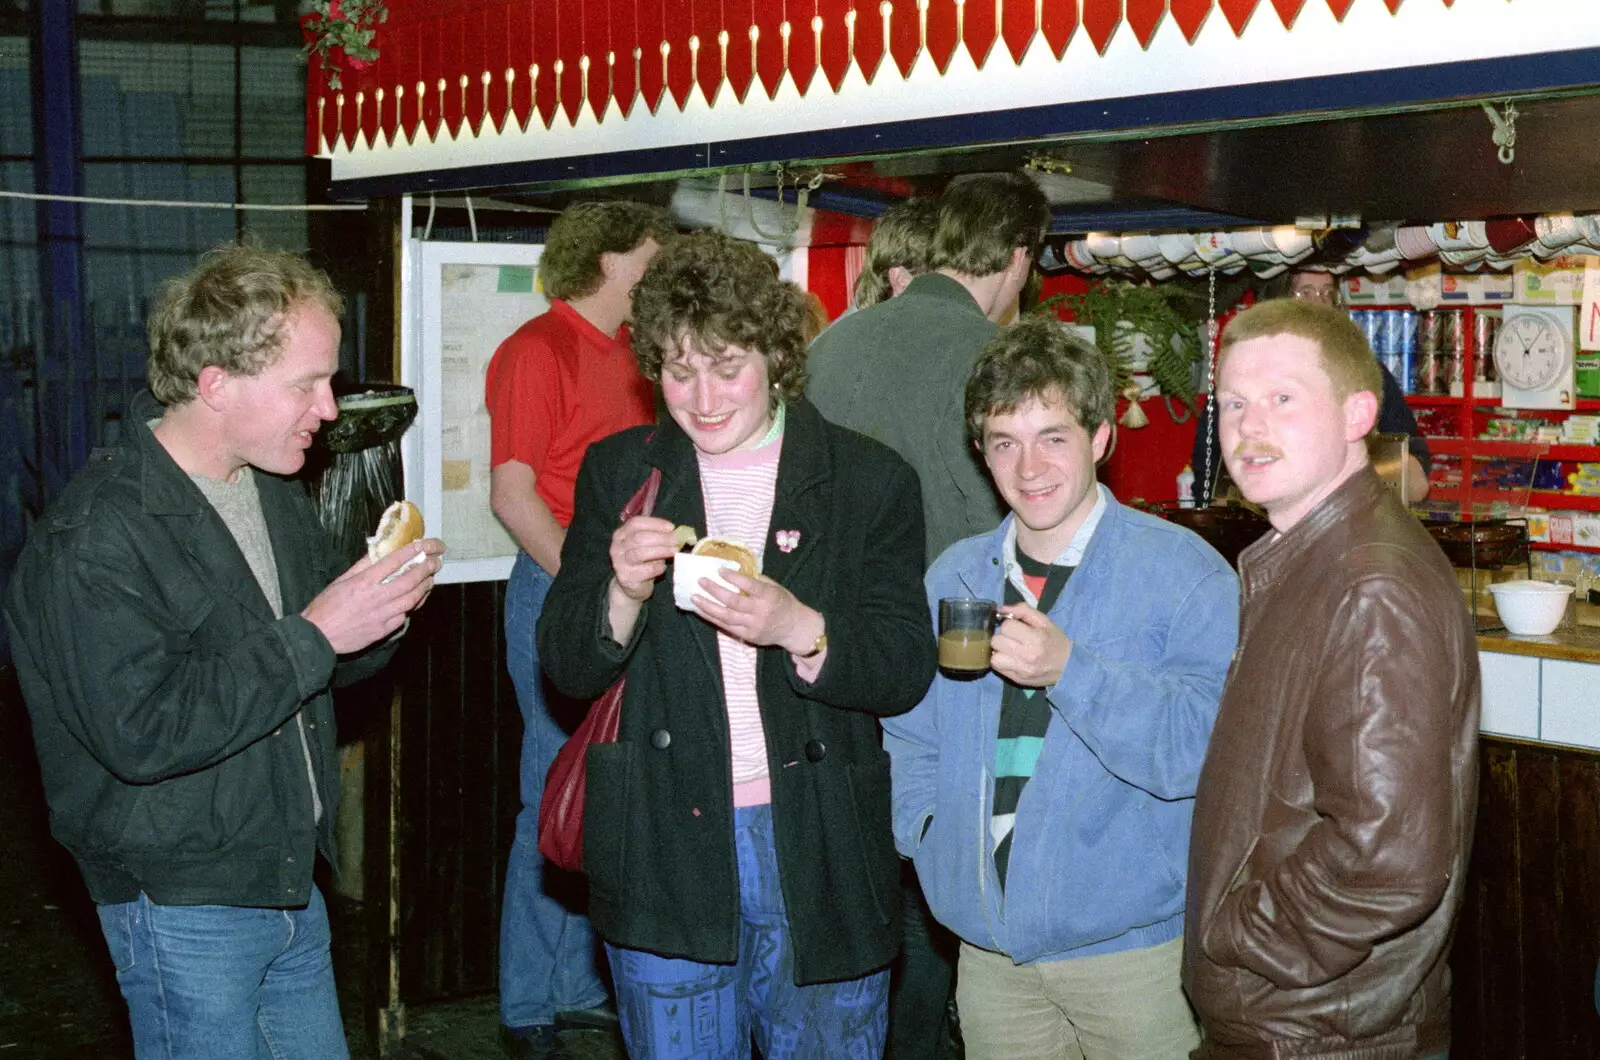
(1531, 351)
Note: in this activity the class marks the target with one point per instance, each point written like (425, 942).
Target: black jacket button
(660, 739)
(816, 751)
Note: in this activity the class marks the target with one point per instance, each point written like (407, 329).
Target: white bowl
(1529, 607)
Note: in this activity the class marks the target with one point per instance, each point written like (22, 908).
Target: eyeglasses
(1320, 295)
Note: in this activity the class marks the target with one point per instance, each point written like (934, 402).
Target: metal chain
(1209, 479)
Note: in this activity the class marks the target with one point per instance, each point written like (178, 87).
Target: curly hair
(716, 291)
(1037, 358)
(903, 236)
(231, 312)
(984, 219)
(570, 264)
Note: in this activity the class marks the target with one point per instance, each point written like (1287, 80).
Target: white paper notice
(1589, 310)
(480, 306)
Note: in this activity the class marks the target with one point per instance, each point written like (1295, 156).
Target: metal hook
(1505, 130)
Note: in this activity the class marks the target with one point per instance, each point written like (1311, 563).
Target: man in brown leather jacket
(1336, 804)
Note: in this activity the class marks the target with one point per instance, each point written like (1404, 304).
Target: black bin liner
(359, 456)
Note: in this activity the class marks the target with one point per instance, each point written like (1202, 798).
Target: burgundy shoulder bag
(561, 807)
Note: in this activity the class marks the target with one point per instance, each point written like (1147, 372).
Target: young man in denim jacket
(1046, 803)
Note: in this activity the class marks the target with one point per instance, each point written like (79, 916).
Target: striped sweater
(738, 489)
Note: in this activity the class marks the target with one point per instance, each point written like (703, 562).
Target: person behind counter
(1046, 803)
(1335, 809)
(1394, 414)
(737, 843)
(178, 617)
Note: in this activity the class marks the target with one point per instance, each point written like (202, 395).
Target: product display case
(1491, 460)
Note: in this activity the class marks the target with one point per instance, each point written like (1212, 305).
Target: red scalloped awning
(463, 65)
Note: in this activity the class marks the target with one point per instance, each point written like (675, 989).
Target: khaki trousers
(1116, 1006)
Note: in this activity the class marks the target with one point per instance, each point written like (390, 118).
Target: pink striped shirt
(738, 489)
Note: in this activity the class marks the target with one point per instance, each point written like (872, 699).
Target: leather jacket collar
(1264, 562)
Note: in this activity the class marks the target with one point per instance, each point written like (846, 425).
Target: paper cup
(1462, 257)
(1177, 247)
(1557, 230)
(1103, 245)
(1509, 234)
(1379, 240)
(1292, 242)
(1143, 248)
(1415, 241)
(1591, 228)
(1450, 235)
(1252, 242)
(688, 569)
(1214, 249)
(1078, 255)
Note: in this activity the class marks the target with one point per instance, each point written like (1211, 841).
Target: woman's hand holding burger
(762, 613)
(640, 549)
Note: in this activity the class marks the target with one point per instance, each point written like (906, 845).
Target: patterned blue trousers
(675, 1009)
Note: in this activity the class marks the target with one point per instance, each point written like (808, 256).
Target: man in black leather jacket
(178, 618)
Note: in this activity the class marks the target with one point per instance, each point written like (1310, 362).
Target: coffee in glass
(965, 628)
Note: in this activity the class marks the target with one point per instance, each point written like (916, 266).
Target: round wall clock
(1532, 351)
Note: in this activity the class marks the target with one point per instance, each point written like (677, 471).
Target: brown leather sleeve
(1377, 857)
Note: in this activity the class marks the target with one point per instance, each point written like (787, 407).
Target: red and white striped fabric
(738, 489)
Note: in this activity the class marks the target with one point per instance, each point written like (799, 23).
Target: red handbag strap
(643, 501)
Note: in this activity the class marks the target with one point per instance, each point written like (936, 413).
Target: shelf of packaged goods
(1553, 546)
(1555, 500)
(1583, 404)
(1433, 400)
(1490, 448)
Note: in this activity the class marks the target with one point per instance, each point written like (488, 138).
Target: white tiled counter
(1542, 688)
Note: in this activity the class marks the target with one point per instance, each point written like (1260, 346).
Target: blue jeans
(674, 1009)
(548, 956)
(204, 981)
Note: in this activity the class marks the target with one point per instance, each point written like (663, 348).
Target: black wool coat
(658, 821)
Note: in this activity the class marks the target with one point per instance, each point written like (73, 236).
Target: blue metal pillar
(62, 349)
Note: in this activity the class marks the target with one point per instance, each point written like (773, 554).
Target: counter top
(1574, 644)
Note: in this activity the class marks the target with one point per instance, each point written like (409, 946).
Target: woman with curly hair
(737, 838)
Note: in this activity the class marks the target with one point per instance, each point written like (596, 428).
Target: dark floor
(58, 995)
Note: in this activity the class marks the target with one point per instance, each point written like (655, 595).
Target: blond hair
(1342, 349)
(230, 311)
(902, 236)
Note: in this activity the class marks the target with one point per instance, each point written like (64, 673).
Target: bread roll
(401, 524)
(724, 548)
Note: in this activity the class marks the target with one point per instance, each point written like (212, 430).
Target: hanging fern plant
(343, 35)
(1158, 321)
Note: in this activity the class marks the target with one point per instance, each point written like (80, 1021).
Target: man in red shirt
(559, 382)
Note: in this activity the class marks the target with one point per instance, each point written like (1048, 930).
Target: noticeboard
(461, 301)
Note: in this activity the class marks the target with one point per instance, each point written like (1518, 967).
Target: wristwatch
(817, 646)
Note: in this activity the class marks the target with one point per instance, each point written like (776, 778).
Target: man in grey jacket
(897, 370)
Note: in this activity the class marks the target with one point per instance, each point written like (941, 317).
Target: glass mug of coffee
(965, 628)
